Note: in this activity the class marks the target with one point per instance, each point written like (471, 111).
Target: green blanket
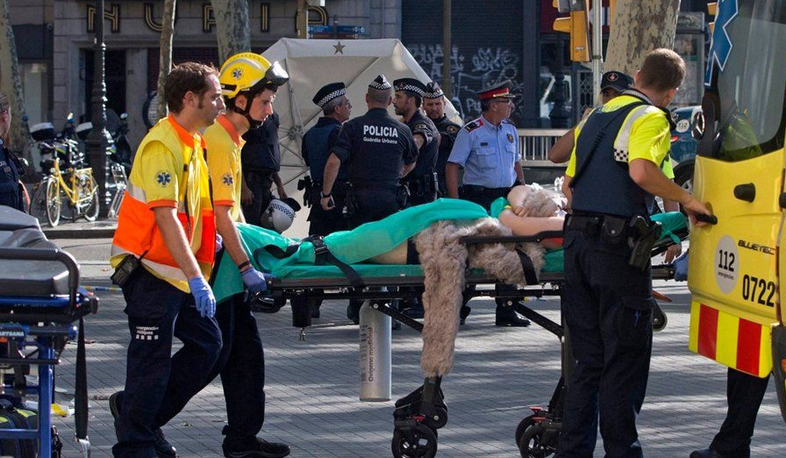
(367, 241)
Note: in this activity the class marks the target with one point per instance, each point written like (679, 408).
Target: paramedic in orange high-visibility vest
(163, 252)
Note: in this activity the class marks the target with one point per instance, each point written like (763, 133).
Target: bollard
(375, 354)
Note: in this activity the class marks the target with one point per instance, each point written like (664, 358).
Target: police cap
(433, 91)
(618, 81)
(496, 91)
(380, 83)
(329, 92)
(409, 85)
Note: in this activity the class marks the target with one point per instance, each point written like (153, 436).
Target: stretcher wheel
(659, 319)
(419, 442)
(525, 423)
(535, 443)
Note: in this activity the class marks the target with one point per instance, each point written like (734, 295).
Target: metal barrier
(534, 145)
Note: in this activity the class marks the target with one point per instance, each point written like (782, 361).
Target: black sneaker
(262, 449)
(163, 448)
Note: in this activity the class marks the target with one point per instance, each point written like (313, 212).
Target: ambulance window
(752, 84)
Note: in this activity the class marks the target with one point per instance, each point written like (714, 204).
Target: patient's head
(539, 201)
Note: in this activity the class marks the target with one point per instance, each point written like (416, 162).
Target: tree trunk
(11, 84)
(232, 27)
(167, 34)
(638, 27)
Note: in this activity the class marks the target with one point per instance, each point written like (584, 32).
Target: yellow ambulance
(737, 316)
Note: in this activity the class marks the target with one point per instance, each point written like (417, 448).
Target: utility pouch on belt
(612, 231)
(402, 195)
(642, 236)
(126, 269)
(305, 184)
(350, 203)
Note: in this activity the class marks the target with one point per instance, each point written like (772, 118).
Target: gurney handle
(46, 254)
(539, 237)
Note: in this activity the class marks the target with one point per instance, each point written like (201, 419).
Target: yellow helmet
(248, 71)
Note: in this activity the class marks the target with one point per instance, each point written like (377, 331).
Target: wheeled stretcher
(40, 302)
(314, 269)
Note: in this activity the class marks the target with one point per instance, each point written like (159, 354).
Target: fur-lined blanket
(444, 261)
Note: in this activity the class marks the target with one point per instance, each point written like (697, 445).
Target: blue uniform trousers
(158, 384)
(608, 309)
(242, 370)
(744, 394)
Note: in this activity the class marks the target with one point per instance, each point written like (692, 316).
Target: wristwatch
(324, 196)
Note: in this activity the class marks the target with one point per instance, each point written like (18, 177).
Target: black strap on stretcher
(322, 256)
(526, 263)
(80, 395)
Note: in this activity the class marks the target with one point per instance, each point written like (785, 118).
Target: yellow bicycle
(72, 182)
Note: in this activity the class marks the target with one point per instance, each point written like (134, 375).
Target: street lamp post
(98, 140)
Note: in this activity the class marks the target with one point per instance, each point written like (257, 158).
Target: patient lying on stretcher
(529, 210)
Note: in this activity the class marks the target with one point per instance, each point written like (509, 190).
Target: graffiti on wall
(470, 73)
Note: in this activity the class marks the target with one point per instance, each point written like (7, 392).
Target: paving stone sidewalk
(312, 388)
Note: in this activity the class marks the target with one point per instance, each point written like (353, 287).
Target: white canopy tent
(312, 64)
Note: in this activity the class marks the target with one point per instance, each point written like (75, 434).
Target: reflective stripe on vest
(137, 231)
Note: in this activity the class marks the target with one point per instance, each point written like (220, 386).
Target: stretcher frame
(45, 323)
(424, 409)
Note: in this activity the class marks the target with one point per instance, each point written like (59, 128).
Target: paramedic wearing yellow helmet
(163, 251)
(249, 83)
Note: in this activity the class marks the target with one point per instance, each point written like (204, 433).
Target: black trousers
(324, 222)
(374, 205)
(608, 309)
(260, 183)
(242, 370)
(159, 384)
(744, 394)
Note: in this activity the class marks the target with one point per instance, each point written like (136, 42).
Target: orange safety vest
(137, 231)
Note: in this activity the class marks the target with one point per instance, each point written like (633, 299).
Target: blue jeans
(608, 310)
(158, 385)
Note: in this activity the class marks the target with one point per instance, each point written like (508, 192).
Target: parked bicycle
(66, 175)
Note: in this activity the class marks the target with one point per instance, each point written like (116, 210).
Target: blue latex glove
(255, 281)
(219, 242)
(203, 296)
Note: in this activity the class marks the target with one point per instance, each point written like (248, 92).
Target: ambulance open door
(735, 265)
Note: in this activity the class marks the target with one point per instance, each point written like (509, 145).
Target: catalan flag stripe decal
(748, 347)
(735, 342)
(708, 331)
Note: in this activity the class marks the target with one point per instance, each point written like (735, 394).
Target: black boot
(706, 453)
(506, 316)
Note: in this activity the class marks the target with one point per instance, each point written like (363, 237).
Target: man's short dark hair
(231, 104)
(662, 70)
(184, 78)
(485, 105)
(379, 95)
(417, 97)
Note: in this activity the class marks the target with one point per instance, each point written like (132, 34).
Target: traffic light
(712, 9)
(576, 25)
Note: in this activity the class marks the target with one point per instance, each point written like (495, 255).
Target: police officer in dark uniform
(434, 106)
(261, 161)
(608, 239)
(422, 181)
(487, 148)
(317, 145)
(10, 188)
(380, 151)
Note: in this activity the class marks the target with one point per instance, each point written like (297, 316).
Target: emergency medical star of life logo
(237, 73)
(227, 179)
(721, 45)
(163, 178)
